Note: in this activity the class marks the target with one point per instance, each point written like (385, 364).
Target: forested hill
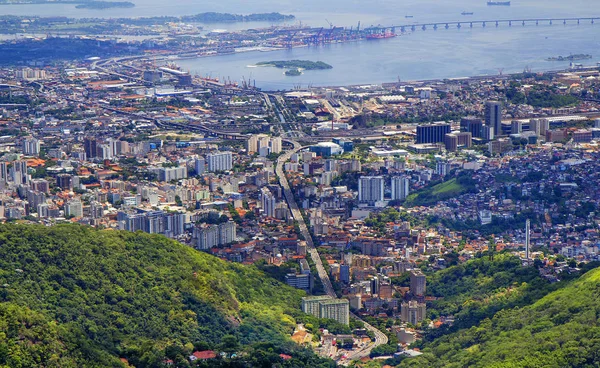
(559, 330)
(72, 296)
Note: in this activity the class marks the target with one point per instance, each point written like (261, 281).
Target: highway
(380, 337)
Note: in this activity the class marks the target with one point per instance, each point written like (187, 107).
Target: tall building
(432, 133)
(19, 173)
(200, 165)
(268, 202)
(90, 147)
(219, 161)
(215, 235)
(345, 273)
(493, 116)
(442, 168)
(370, 189)
(527, 231)
(31, 146)
(451, 142)
(472, 125)
(323, 306)
(535, 126)
(64, 181)
(74, 208)
(417, 282)
(412, 312)
(488, 133)
(276, 143)
(172, 173)
(310, 304)
(400, 187)
(299, 281)
(252, 143)
(4, 178)
(516, 127)
(336, 309)
(170, 224)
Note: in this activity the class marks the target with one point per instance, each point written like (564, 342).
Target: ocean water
(418, 55)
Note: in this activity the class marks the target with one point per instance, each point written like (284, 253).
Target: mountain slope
(98, 296)
(559, 330)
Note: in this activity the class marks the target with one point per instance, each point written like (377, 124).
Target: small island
(297, 64)
(294, 68)
(570, 57)
(293, 72)
(105, 5)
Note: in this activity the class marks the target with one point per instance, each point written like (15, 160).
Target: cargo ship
(504, 3)
(466, 13)
(380, 35)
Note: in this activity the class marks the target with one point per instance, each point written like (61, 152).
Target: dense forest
(72, 296)
(559, 329)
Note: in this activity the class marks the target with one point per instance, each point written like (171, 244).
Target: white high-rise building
(227, 232)
(31, 146)
(74, 208)
(370, 189)
(172, 173)
(219, 161)
(19, 173)
(104, 151)
(276, 145)
(336, 309)
(268, 202)
(400, 187)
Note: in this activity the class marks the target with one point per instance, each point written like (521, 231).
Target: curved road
(380, 337)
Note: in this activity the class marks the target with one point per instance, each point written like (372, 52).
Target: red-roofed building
(285, 356)
(203, 355)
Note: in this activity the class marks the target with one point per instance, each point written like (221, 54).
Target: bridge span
(484, 23)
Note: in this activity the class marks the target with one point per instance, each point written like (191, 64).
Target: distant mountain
(72, 296)
(559, 330)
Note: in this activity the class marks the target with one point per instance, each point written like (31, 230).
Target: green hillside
(72, 296)
(559, 330)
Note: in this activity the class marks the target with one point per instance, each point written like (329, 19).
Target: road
(380, 337)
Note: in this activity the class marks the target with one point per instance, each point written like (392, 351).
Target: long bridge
(484, 23)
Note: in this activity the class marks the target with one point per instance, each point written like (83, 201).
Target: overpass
(484, 23)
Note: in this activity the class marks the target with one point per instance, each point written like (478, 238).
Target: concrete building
(516, 127)
(417, 282)
(211, 236)
(371, 189)
(336, 309)
(200, 165)
(432, 133)
(582, 136)
(493, 116)
(299, 281)
(400, 187)
(413, 312)
(172, 173)
(488, 133)
(472, 125)
(268, 202)
(220, 161)
(557, 135)
(451, 142)
(310, 304)
(31, 146)
(74, 208)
